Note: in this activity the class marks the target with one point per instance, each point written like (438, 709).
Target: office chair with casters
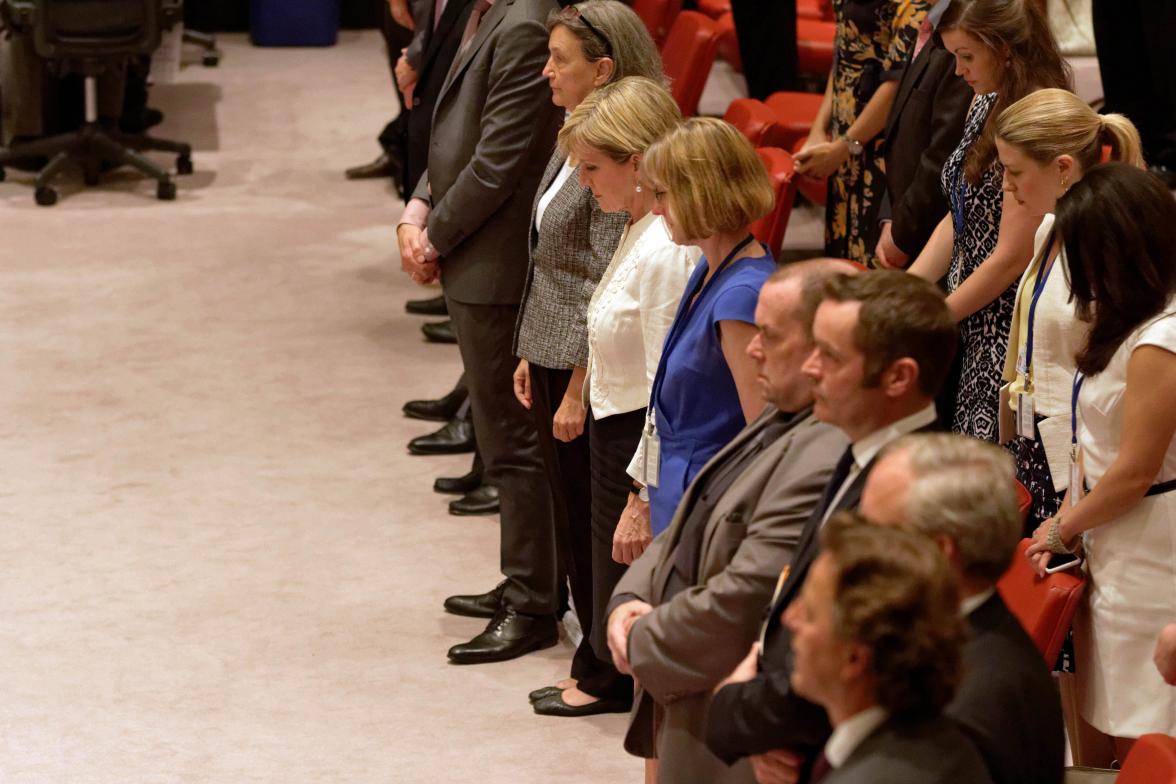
(210, 56)
(89, 37)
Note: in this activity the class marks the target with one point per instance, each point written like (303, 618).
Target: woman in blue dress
(710, 187)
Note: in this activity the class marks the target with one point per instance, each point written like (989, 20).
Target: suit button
(416, 101)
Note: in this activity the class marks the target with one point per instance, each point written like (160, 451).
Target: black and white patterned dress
(984, 336)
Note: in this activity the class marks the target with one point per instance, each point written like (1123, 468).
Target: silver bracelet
(1053, 538)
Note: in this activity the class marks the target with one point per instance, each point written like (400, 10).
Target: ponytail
(1120, 135)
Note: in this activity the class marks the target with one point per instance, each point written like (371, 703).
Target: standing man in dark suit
(876, 637)
(493, 129)
(959, 492)
(766, 33)
(884, 343)
(925, 124)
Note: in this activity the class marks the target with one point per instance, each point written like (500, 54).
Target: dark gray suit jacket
(925, 752)
(494, 127)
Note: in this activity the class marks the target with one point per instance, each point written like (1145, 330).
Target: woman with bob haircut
(1118, 226)
(1004, 50)
(709, 187)
(1046, 142)
(591, 44)
(628, 316)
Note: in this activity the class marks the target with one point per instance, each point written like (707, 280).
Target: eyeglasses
(571, 12)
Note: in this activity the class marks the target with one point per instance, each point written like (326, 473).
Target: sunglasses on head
(571, 12)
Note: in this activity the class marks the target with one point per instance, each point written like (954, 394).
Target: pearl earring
(638, 188)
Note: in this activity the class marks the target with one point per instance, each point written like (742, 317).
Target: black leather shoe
(439, 332)
(433, 306)
(456, 437)
(546, 691)
(478, 605)
(384, 166)
(482, 501)
(458, 485)
(509, 635)
(555, 706)
(440, 410)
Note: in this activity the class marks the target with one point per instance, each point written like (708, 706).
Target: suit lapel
(492, 19)
(553, 166)
(451, 16)
(910, 77)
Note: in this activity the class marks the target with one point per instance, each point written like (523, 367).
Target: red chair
(1152, 761)
(814, 189)
(1024, 501)
(714, 8)
(1045, 607)
(658, 16)
(770, 229)
(729, 42)
(795, 113)
(755, 121)
(819, 10)
(814, 46)
(687, 57)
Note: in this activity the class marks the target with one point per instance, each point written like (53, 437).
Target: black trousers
(1134, 40)
(766, 30)
(509, 445)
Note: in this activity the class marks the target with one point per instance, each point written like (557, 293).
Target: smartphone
(1060, 562)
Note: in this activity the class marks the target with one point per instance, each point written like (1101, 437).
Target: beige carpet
(217, 561)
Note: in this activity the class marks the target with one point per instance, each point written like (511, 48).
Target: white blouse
(630, 313)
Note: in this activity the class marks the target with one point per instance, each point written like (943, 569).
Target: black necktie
(840, 473)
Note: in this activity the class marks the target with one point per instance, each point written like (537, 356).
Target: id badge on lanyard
(651, 446)
(1026, 408)
(1077, 480)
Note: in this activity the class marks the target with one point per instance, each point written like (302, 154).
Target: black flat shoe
(481, 501)
(509, 635)
(555, 706)
(458, 485)
(383, 166)
(439, 332)
(440, 410)
(546, 691)
(455, 438)
(433, 306)
(477, 605)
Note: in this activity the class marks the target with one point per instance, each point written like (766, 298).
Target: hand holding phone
(1060, 562)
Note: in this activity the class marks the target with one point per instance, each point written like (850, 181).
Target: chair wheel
(166, 191)
(210, 59)
(184, 164)
(46, 197)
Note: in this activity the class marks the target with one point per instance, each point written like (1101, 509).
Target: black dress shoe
(384, 166)
(482, 501)
(509, 634)
(433, 306)
(555, 706)
(477, 605)
(456, 437)
(546, 691)
(458, 485)
(439, 410)
(439, 332)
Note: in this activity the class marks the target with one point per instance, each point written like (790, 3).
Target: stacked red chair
(1044, 606)
(1152, 761)
(687, 56)
(770, 229)
(814, 46)
(757, 122)
(658, 16)
(795, 113)
(714, 8)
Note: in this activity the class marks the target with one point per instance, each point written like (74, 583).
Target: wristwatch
(855, 147)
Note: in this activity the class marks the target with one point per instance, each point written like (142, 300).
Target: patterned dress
(984, 336)
(874, 39)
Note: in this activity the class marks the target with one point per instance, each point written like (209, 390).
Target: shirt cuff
(416, 213)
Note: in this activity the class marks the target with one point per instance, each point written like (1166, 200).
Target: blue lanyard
(1038, 289)
(686, 307)
(1077, 387)
(961, 194)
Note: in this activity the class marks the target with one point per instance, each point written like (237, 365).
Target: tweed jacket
(567, 259)
(682, 649)
(494, 126)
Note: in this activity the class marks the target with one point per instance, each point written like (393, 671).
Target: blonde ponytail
(1119, 133)
(1050, 123)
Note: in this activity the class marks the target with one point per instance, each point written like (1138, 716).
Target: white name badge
(652, 463)
(1026, 416)
(1077, 479)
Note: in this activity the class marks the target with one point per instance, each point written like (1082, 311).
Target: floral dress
(874, 39)
(984, 335)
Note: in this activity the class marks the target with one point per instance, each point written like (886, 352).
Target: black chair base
(206, 41)
(89, 149)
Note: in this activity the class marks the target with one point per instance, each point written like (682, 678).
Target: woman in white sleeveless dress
(1119, 229)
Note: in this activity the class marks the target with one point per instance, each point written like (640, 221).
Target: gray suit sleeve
(518, 92)
(693, 641)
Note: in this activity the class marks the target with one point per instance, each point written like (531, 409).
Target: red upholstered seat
(770, 229)
(815, 189)
(714, 8)
(729, 42)
(658, 16)
(795, 113)
(1045, 607)
(1152, 761)
(757, 122)
(814, 46)
(820, 10)
(1024, 501)
(687, 57)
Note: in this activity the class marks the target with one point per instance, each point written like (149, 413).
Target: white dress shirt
(849, 734)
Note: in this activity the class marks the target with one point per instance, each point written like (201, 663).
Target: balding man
(959, 492)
